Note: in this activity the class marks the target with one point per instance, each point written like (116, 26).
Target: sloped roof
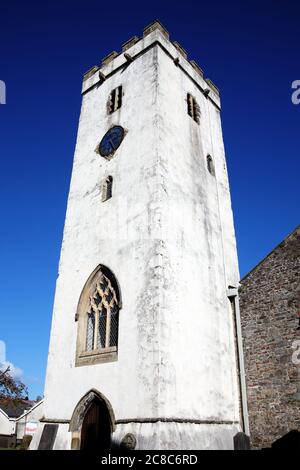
(15, 408)
(29, 410)
(280, 245)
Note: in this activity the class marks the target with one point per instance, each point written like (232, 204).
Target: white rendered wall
(7, 425)
(30, 417)
(167, 234)
(197, 365)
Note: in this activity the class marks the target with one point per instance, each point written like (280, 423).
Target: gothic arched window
(98, 319)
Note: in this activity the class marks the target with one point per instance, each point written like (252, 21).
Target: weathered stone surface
(128, 442)
(90, 72)
(269, 302)
(180, 49)
(48, 437)
(212, 85)
(153, 26)
(107, 59)
(196, 67)
(241, 441)
(129, 43)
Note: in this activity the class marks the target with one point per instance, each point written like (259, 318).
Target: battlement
(153, 34)
(153, 26)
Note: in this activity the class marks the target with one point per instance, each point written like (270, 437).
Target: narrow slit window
(115, 100)
(193, 108)
(210, 165)
(106, 192)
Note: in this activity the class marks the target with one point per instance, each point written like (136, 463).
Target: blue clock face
(111, 141)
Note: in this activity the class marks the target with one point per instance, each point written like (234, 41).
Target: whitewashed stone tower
(143, 343)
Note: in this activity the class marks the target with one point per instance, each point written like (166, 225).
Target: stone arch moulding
(82, 407)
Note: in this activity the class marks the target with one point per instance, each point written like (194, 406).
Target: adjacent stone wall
(269, 302)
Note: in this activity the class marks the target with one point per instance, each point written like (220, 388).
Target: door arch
(92, 423)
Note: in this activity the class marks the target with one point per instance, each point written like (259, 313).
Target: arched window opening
(98, 317)
(210, 165)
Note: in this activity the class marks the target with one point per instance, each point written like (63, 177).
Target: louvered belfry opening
(193, 108)
(102, 316)
(115, 100)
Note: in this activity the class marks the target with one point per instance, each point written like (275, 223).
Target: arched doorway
(92, 422)
(96, 429)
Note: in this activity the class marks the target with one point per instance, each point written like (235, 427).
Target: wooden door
(95, 432)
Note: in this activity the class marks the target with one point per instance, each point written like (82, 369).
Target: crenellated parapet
(154, 34)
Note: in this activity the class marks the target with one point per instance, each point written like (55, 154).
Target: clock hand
(111, 143)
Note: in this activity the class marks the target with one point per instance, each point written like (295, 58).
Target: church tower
(144, 349)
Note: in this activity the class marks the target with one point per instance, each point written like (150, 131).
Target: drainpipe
(233, 295)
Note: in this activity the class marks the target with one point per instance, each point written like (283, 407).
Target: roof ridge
(272, 251)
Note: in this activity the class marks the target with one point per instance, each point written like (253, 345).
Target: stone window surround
(96, 356)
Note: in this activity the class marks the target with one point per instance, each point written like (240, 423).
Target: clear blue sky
(249, 48)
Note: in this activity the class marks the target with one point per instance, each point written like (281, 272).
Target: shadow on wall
(290, 441)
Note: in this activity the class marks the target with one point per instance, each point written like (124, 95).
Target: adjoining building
(270, 309)
(17, 419)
